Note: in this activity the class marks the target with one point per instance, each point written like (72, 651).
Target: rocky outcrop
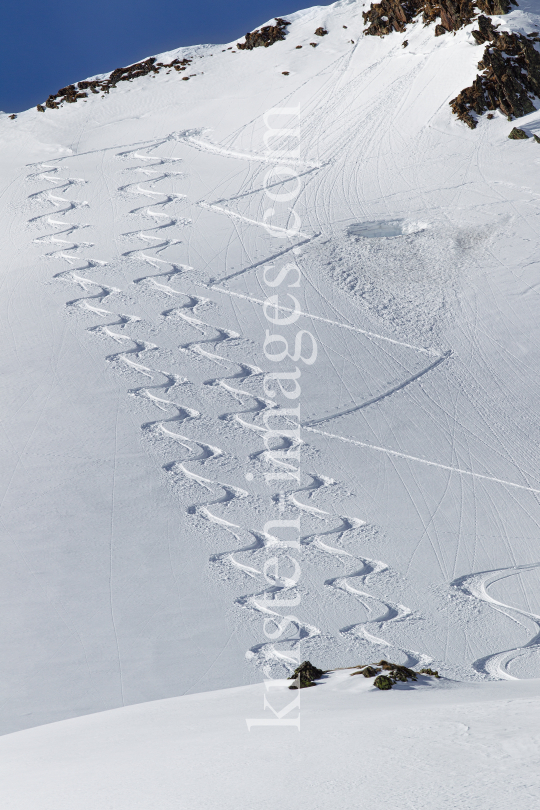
(510, 78)
(385, 673)
(449, 15)
(395, 673)
(72, 93)
(264, 37)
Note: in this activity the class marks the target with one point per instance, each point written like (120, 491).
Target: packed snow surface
(426, 746)
(139, 241)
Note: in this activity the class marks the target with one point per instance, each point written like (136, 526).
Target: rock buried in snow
(367, 672)
(518, 134)
(321, 32)
(428, 671)
(305, 675)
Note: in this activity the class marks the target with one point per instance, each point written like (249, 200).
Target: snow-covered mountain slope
(442, 746)
(136, 484)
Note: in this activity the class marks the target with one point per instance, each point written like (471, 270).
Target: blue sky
(48, 45)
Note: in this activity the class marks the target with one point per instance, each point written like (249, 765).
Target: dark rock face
(394, 15)
(264, 37)
(510, 79)
(305, 675)
(518, 135)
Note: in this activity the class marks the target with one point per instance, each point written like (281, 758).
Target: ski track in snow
(136, 354)
(496, 665)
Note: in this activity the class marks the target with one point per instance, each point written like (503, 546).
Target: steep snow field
(135, 267)
(442, 746)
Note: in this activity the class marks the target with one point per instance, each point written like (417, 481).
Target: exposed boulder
(383, 682)
(305, 675)
(518, 135)
(321, 32)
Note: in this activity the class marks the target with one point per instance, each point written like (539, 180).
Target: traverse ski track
(380, 397)
(270, 157)
(496, 665)
(277, 229)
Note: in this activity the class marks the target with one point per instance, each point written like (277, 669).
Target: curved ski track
(476, 585)
(137, 357)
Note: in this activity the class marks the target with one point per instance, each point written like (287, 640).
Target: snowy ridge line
(379, 398)
(234, 215)
(272, 157)
(421, 460)
(423, 350)
(476, 585)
